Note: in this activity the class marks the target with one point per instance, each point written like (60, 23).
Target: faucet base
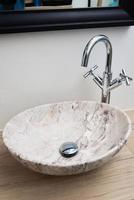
(106, 99)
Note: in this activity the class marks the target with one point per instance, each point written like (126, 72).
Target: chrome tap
(105, 82)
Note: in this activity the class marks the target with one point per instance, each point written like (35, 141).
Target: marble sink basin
(34, 136)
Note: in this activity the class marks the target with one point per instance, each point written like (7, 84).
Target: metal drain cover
(68, 149)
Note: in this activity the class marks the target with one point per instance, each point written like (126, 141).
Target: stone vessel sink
(34, 136)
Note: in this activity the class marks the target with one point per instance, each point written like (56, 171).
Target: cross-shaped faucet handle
(90, 72)
(125, 77)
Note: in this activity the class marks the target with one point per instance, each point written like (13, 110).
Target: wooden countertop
(113, 181)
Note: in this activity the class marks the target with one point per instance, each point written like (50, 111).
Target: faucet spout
(107, 75)
(89, 47)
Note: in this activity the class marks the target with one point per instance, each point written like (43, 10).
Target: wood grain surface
(113, 181)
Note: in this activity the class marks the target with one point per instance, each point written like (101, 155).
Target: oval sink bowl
(35, 136)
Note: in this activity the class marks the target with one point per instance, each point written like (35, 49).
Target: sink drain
(68, 149)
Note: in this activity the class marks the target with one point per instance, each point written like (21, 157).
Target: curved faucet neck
(89, 47)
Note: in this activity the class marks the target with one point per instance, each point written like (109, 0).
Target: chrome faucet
(105, 82)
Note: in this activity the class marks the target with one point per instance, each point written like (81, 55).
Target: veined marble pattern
(35, 136)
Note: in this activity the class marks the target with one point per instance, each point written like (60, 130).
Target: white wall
(38, 68)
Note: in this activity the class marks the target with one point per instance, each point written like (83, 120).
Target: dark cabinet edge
(29, 21)
(69, 26)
